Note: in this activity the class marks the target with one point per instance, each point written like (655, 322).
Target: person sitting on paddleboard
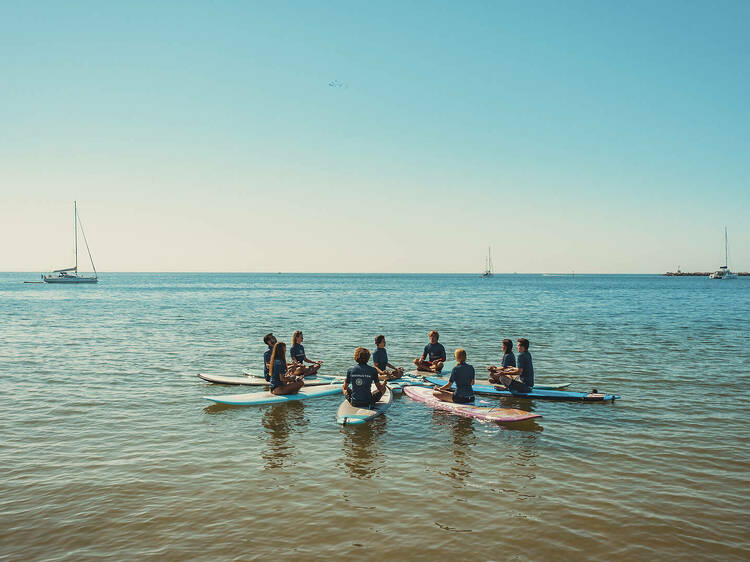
(433, 356)
(463, 375)
(509, 360)
(380, 360)
(359, 380)
(281, 382)
(521, 378)
(297, 353)
(270, 341)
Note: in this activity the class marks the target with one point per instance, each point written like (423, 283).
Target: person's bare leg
(443, 395)
(505, 379)
(313, 369)
(423, 366)
(288, 388)
(394, 375)
(437, 367)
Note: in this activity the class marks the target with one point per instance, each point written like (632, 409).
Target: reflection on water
(464, 439)
(361, 458)
(279, 422)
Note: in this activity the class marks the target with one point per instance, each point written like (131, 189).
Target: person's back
(279, 369)
(463, 375)
(361, 377)
(380, 358)
(527, 367)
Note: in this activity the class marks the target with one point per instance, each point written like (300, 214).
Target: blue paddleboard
(490, 390)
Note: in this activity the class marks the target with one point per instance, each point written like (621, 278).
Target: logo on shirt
(358, 381)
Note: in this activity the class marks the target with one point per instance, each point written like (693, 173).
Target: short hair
(433, 333)
(361, 355)
(379, 339)
(460, 355)
(524, 343)
(295, 335)
(507, 345)
(267, 338)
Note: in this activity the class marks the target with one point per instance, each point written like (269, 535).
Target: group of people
(516, 373)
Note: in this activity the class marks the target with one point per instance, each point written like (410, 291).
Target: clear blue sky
(586, 136)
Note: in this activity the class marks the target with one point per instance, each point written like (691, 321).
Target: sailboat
(70, 274)
(723, 272)
(488, 264)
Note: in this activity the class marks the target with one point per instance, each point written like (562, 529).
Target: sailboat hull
(71, 280)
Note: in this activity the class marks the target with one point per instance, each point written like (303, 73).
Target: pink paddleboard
(489, 413)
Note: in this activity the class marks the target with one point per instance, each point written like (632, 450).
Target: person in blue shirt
(380, 360)
(359, 380)
(281, 382)
(297, 353)
(270, 341)
(508, 360)
(463, 375)
(433, 356)
(519, 379)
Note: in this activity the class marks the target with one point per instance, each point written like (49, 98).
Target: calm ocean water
(109, 449)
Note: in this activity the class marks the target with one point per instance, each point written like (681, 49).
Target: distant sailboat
(488, 264)
(70, 274)
(723, 272)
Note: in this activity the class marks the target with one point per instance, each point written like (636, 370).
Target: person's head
(523, 344)
(380, 340)
(362, 355)
(434, 336)
(269, 340)
(297, 337)
(279, 352)
(460, 355)
(507, 346)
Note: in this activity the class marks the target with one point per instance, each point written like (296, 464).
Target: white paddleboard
(352, 415)
(260, 381)
(255, 398)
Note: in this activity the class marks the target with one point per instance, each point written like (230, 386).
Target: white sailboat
(724, 272)
(70, 274)
(488, 264)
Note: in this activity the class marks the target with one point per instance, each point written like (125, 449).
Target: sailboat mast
(726, 249)
(75, 230)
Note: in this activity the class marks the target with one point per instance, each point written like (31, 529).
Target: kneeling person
(380, 360)
(359, 380)
(463, 375)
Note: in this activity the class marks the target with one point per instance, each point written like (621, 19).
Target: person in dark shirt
(508, 360)
(281, 382)
(270, 341)
(359, 380)
(297, 353)
(380, 360)
(463, 375)
(519, 379)
(433, 356)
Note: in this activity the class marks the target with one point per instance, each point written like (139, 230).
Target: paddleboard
(489, 413)
(352, 415)
(260, 381)
(561, 386)
(255, 398)
(494, 390)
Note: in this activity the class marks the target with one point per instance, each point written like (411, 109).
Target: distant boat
(488, 265)
(70, 274)
(723, 272)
